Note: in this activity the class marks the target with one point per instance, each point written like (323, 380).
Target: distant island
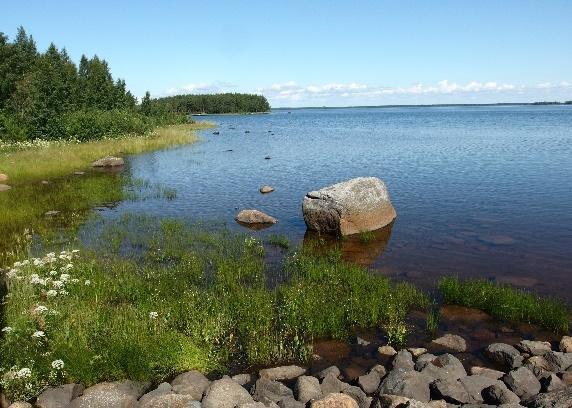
(222, 103)
(435, 105)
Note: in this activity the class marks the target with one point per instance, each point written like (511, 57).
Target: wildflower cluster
(46, 278)
(254, 245)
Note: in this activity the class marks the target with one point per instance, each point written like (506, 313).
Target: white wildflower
(23, 373)
(12, 273)
(17, 264)
(58, 364)
(41, 309)
(25, 262)
(74, 280)
(53, 273)
(64, 277)
(58, 284)
(153, 315)
(38, 262)
(51, 293)
(7, 329)
(39, 334)
(87, 282)
(64, 292)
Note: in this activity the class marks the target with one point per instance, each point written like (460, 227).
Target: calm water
(479, 191)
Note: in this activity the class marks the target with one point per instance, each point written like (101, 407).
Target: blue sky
(314, 53)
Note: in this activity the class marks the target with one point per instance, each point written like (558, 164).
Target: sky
(319, 53)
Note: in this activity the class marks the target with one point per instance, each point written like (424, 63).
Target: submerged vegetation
(182, 298)
(506, 303)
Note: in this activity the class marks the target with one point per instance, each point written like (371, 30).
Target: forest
(209, 104)
(45, 95)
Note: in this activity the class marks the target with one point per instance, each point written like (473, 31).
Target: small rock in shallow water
(535, 348)
(282, 373)
(416, 352)
(254, 217)
(450, 342)
(109, 162)
(504, 354)
(266, 189)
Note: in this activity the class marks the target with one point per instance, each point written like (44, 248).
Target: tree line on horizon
(206, 103)
(45, 95)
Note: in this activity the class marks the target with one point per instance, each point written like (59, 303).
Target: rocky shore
(531, 374)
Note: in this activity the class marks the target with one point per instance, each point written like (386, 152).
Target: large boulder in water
(357, 205)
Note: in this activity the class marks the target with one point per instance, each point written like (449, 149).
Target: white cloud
(290, 93)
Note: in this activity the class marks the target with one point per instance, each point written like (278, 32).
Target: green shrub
(505, 302)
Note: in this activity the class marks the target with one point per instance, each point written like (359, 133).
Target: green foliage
(183, 297)
(505, 302)
(279, 241)
(214, 104)
(46, 96)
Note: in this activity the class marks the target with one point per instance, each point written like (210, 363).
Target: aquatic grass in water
(187, 297)
(48, 160)
(279, 241)
(506, 303)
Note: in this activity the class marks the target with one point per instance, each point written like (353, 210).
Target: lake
(479, 191)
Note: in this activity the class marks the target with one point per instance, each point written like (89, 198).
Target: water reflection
(363, 249)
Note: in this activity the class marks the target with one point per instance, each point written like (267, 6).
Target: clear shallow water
(479, 191)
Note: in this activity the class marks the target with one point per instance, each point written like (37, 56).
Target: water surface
(479, 191)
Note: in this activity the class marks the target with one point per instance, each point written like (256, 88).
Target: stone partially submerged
(357, 205)
(109, 162)
(255, 219)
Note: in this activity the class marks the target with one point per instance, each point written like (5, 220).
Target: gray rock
(379, 369)
(266, 189)
(499, 394)
(162, 389)
(487, 372)
(59, 397)
(451, 391)
(386, 351)
(246, 380)
(109, 162)
(5, 187)
(350, 207)
(522, 382)
(307, 389)
(450, 342)
(335, 401)
(403, 360)
(475, 384)
(51, 213)
(558, 361)
(504, 354)
(119, 394)
(252, 405)
(331, 385)
(551, 383)
(273, 390)
(225, 393)
(290, 403)
(565, 345)
(446, 367)
(282, 373)
(538, 365)
(423, 360)
(359, 396)
(250, 217)
(417, 351)
(555, 399)
(534, 348)
(369, 382)
(19, 404)
(330, 370)
(170, 400)
(191, 383)
(406, 383)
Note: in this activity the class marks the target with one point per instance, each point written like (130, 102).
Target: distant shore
(437, 105)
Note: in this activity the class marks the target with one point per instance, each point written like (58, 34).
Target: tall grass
(58, 159)
(184, 297)
(506, 303)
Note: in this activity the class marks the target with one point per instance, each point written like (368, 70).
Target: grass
(366, 236)
(60, 158)
(24, 206)
(279, 241)
(165, 297)
(506, 303)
